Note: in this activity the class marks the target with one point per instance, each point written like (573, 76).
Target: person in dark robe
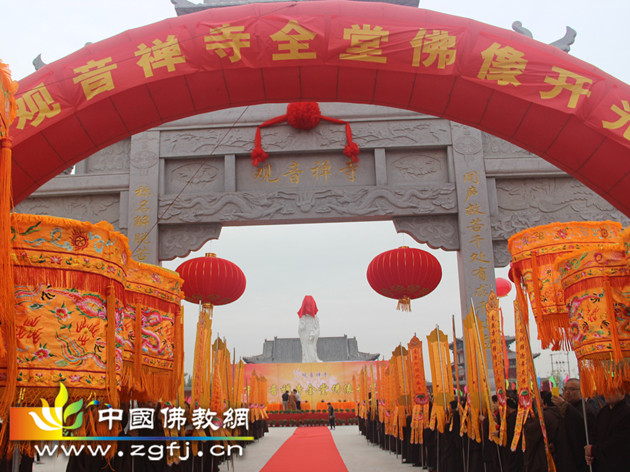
(331, 416)
(610, 451)
(512, 461)
(489, 449)
(572, 434)
(454, 460)
(535, 458)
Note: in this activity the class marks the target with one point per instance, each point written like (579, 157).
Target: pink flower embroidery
(55, 260)
(62, 313)
(42, 353)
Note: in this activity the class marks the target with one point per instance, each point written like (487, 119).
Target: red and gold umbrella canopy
(404, 274)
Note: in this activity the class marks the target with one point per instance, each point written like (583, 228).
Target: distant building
(462, 366)
(329, 349)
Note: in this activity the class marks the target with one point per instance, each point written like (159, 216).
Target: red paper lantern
(404, 274)
(211, 279)
(503, 287)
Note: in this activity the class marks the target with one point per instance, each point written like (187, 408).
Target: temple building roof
(184, 7)
(329, 349)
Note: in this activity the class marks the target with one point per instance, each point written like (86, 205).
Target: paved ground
(357, 453)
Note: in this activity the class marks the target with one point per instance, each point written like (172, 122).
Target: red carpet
(309, 449)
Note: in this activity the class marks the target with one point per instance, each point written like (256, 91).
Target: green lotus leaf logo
(54, 418)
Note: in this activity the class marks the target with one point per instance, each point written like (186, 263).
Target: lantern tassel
(404, 304)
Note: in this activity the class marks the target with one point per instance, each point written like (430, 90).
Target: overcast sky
(285, 262)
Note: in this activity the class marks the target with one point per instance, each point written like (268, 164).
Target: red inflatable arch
(533, 95)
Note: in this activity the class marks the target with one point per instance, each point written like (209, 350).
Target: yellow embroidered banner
(495, 327)
(442, 378)
(153, 367)
(420, 413)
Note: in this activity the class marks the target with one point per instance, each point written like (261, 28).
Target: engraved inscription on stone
(112, 158)
(305, 170)
(415, 168)
(194, 176)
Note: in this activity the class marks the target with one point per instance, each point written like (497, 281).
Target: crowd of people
(291, 400)
(581, 434)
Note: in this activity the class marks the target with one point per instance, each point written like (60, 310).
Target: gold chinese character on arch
(480, 273)
(350, 170)
(471, 176)
(141, 238)
(479, 257)
(476, 225)
(569, 81)
(161, 54)
(35, 105)
(624, 119)
(476, 239)
(141, 254)
(365, 43)
(294, 173)
(293, 41)
(474, 209)
(143, 191)
(502, 64)
(471, 192)
(143, 207)
(321, 169)
(482, 291)
(438, 46)
(95, 77)
(141, 221)
(264, 174)
(225, 38)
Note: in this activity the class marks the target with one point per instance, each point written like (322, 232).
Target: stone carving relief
(181, 240)
(318, 204)
(417, 169)
(194, 176)
(436, 231)
(112, 158)
(92, 208)
(144, 157)
(493, 146)
(502, 256)
(282, 137)
(524, 203)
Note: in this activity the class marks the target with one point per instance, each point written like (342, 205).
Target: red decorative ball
(352, 151)
(258, 156)
(211, 279)
(404, 274)
(303, 115)
(503, 287)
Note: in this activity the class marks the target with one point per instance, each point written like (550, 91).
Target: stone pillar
(143, 196)
(475, 257)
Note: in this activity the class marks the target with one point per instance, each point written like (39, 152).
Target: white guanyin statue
(308, 329)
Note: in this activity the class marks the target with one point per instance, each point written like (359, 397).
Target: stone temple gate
(172, 188)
